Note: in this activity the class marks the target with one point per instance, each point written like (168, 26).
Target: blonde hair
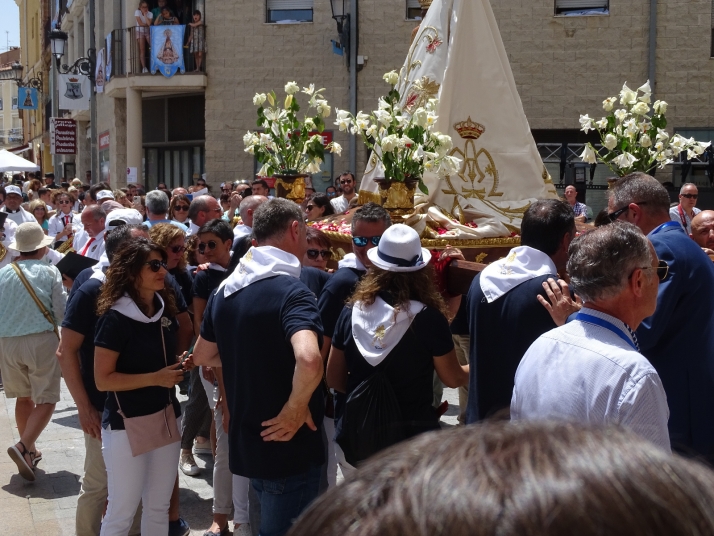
(38, 203)
(165, 233)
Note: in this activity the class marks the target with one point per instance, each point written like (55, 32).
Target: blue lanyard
(608, 325)
(664, 226)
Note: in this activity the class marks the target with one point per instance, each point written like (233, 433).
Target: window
(413, 10)
(282, 11)
(14, 103)
(1, 107)
(575, 8)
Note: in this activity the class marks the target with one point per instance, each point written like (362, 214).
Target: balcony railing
(117, 53)
(140, 52)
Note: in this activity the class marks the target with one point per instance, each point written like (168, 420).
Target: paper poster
(167, 50)
(74, 91)
(99, 72)
(27, 98)
(131, 175)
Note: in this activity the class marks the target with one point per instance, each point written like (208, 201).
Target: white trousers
(345, 467)
(329, 425)
(148, 478)
(228, 489)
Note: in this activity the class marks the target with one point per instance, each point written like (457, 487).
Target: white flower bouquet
(632, 139)
(406, 145)
(288, 145)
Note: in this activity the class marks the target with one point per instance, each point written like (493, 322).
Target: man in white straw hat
(29, 316)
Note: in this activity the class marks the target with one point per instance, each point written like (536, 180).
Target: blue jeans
(282, 500)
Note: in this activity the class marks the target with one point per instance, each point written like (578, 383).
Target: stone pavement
(47, 506)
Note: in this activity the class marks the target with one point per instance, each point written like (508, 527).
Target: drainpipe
(93, 103)
(353, 81)
(652, 66)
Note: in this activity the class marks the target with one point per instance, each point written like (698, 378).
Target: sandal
(36, 458)
(18, 456)
(224, 532)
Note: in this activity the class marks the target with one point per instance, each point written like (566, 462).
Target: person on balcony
(165, 18)
(143, 33)
(197, 40)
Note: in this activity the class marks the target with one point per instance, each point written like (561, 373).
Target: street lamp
(342, 18)
(84, 65)
(31, 82)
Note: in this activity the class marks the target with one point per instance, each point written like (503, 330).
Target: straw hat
(29, 236)
(399, 250)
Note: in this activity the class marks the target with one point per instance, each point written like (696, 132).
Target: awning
(12, 162)
(20, 149)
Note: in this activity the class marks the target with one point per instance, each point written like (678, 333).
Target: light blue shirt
(585, 373)
(19, 314)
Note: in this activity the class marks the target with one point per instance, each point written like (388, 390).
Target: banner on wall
(27, 98)
(108, 60)
(74, 91)
(99, 72)
(63, 136)
(167, 50)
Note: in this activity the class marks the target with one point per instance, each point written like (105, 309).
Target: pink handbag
(150, 432)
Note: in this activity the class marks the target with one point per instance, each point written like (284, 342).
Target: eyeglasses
(313, 253)
(65, 202)
(690, 196)
(620, 211)
(361, 241)
(662, 269)
(156, 265)
(177, 249)
(211, 244)
(309, 208)
(180, 208)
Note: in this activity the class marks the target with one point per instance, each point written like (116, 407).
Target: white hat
(104, 194)
(122, 216)
(29, 236)
(12, 189)
(399, 250)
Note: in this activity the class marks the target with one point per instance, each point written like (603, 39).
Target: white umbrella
(12, 162)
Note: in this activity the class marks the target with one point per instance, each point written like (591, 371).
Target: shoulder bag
(48, 316)
(150, 432)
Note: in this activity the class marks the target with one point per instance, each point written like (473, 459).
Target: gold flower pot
(291, 187)
(397, 196)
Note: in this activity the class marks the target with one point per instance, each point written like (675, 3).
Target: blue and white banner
(167, 50)
(27, 98)
(108, 64)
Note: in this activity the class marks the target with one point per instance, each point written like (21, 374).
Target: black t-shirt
(82, 278)
(409, 367)
(80, 316)
(184, 279)
(335, 294)
(141, 351)
(314, 279)
(460, 323)
(206, 282)
(258, 372)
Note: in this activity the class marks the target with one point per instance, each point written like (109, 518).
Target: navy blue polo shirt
(314, 279)
(206, 281)
(258, 372)
(184, 279)
(334, 296)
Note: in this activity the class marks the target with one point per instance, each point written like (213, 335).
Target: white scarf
(522, 264)
(261, 263)
(99, 268)
(126, 306)
(351, 261)
(379, 327)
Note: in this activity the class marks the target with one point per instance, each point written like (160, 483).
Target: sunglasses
(181, 208)
(177, 249)
(662, 269)
(620, 211)
(361, 241)
(348, 181)
(690, 196)
(309, 208)
(313, 253)
(65, 202)
(211, 244)
(156, 265)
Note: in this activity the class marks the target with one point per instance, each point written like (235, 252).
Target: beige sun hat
(29, 236)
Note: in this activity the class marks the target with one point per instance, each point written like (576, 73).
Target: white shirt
(192, 228)
(57, 224)
(21, 216)
(675, 216)
(239, 231)
(340, 204)
(95, 250)
(585, 373)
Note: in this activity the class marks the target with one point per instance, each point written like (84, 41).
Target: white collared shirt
(21, 216)
(95, 250)
(585, 373)
(340, 204)
(192, 228)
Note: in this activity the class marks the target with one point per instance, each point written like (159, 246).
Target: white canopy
(12, 162)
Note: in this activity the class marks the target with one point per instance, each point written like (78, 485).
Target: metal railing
(117, 54)
(137, 66)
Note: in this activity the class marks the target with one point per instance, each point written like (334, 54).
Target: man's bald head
(248, 206)
(204, 208)
(703, 229)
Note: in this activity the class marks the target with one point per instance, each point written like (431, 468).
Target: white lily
(291, 88)
(647, 92)
(336, 148)
(610, 142)
(589, 155)
(662, 135)
(389, 143)
(391, 78)
(620, 115)
(609, 103)
(624, 161)
(641, 108)
(586, 123)
(420, 117)
(259, 99)
(309, 90)
(627, 96)
(645, 140)
(660, 107)
(602, 124)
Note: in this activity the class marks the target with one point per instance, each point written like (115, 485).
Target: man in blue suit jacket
(679, 338)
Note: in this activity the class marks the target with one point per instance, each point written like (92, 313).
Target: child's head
(143, 6)
(196, 15)
(166, 13)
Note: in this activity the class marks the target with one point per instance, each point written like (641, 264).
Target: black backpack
(372, 419)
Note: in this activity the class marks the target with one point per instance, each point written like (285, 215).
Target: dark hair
(545, 223)
(272, 218)
(372, 213)
(123, 273)
(97, 188)
(191, 250)
(197, 12)
(261, 182)
(175, 200)
(43, 191)
(64, 185)
(2, 192)
(115, 238)
(225, 198)
(352, 175)
(317, 236)
(217, 227)
(639, 187)
(602, 218)
(519, 478)
(335, 189)
(49, 175)
(321, 200)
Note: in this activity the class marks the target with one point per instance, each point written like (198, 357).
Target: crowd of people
(581, 357)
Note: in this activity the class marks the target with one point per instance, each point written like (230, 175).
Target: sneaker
(202, 447)
(179, 528)
(242, 530)
(188, 465)
(144, 70)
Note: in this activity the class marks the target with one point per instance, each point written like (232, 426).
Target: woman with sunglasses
(38, 209)
(173, 240)
(135, 361)
(62, 224)
(178, 208)
(314, 263)
(318, 207)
